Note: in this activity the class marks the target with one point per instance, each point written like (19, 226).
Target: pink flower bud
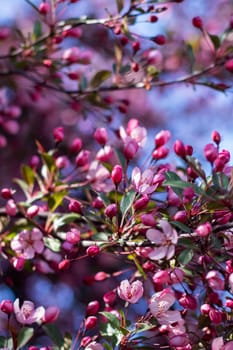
(216, 137)
(216, 316)
(101, 136)
(85, 341)
(32, 211)
(110, 297)
(58, 134)
(44, 8)
(73, 236)
(97, 203)
(90, 322)
(6, 306)
(117, 174)
(176, 275)
(6, 193)
(18, 263)
(141, 202)
(51, 314)
(229, 65)
(188, 150)
(180, 216)
(205, 309)
(11, 208)
(148, 219)
(197, 22)
(160, 153)
(92, 307)
(188, 302)
(130, 149)
(160, 39)
(210, 152)
(75, 206)
(76, 145)
(229, 266)
(64, 264)
(71, 55)
(101, 276)
(179, 148)
(62, 162)
(188, 194)
(104, 154)
(229, 303)
(83, 158)
(136, 46)
(161, 276)
(111, 210)
(93, 250)
(162, 137)
(149, 266)
(204, 230)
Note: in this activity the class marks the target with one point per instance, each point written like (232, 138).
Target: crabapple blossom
(130, 292)
(27, 243)
(162, 138)
(215, 280)
(164, 240)
(27, 313)
(143, 182)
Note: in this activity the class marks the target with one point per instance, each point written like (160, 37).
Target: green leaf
(185, 256)
(181, 226)
(64, 220)
(55, 199)
(196, 165)
(99, 78)
(107, 346)
(52, 243)
(191, 56)
(28, 174)
(215, 41)
(126, 203)
(24, 335)
(186, 242)
(37, 30)
(220, 180)
(53, 332)
(115, 322)
(120, 5)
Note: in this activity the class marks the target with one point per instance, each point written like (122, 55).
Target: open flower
(28, 243)
(164, 240)
(27, 314)
(130, 292)
(160, 304)
(143, 182)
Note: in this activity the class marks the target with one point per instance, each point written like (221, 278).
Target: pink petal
(155, 236)
(169, 317)
(158, 253)
(217, 343)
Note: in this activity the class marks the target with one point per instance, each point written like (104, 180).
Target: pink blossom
(164, 240)
(28, 243)
(101, 136)
(130, 292)
(27, 314)
(104, 154)
(134, 131)
(98, 176)
(143, 182)
(162, 138)
(130, 148)
(71, 55)
(215, 280)
(218, 344)
(210, 152)
(160, 304)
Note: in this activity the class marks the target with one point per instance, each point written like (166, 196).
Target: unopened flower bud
(101, 136)
(148, 219)
(160, 153)
(204, 230)
(130, 149)
(215, 316)
(6, 193)
(141, 202)
(197, 22)
(58, 134)
(76, 145)
(188, 302)
(210, 152)
(216, 137)
(85, 341)
(75, 206)
(229, 65)
(229, 303)
(117, 174)
(11, 208)
(90, 322)
(51, 314)
(6, 306)
(64, 264)
(110, 297)
(111, 210)
(205, 309)
(83, 158)
(162, 137)
(179, 148)
(180, 216)
(92, 307)
(32, 211)
(93, 250)
(160, 39)
(18, 263)
(44, 8)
